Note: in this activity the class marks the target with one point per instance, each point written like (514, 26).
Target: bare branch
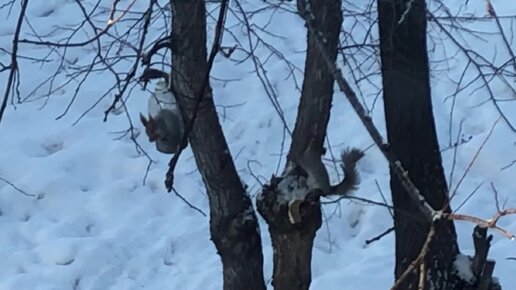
(132, 72)
(489, 223)
(17, 188)
(502, 33)
(14, 62)
(189, 203)
(461, 179)
(377, 238)
(111, 22)
(418, 261)
(470, 56)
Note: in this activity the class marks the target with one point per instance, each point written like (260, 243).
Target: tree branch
(14, 62)
(418, 261)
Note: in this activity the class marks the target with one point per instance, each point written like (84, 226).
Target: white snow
(94, 225)
(463, 266)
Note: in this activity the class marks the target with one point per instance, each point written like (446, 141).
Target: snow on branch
(406, 12)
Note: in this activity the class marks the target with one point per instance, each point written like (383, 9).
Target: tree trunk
(233, 222)
(412, 137)
(293, 242)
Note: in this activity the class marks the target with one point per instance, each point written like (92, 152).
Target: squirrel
(318, 178)
(165, 124)
(166, 129)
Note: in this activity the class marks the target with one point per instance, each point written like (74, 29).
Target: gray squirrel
(317, 175)
(164, 125)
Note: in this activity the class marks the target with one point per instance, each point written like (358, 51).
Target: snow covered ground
(91, 223)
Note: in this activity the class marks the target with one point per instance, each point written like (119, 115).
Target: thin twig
(377, 238)
(417, 261)
(383, 197)
(422, 276)
(110, 23)
(489, 223)
(188, 203)
(469, 196)
(17, 188)
(461, 179)
(504, 37)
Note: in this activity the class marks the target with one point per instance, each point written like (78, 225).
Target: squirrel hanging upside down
(317, 175)
(318, 179)
(165, 124)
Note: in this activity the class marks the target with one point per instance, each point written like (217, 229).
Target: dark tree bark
(293, 243)
(233, 222)
(412, 137)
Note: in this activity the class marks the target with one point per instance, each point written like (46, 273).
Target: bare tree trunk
(412, 136)
(233, 222)
(293, 243)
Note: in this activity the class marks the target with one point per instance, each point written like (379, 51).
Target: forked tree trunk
(412, 136)
(233, 222)
(293, 243)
